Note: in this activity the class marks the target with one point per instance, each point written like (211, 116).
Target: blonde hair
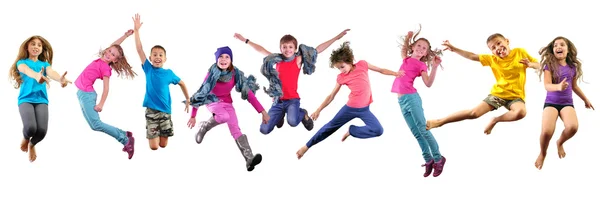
(45, 55)
(408, 43)
(120, 65)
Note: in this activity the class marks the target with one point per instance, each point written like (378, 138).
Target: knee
(154, 147)
(222, 118)
(571, 128)
(521, 113)
(378, 131)
(474, 114)
(96, 126)
(265, 129)
(30, 129)
(293, 120)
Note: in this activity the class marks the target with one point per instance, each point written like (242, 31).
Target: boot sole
(255, 161)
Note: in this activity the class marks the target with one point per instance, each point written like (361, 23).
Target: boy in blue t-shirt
(157, 99)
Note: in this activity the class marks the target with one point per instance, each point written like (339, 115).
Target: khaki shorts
(497, 102)
(158, 124)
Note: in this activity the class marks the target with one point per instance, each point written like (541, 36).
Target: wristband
(247, 41)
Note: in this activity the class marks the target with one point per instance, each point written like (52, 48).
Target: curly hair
(120, 65)
(46, 56)
(408, 43)
(342, 54)
(548, 59)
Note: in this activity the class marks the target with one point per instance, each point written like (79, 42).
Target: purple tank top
(562, 97)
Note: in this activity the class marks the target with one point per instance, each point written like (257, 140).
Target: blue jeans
(87, 101)
(291, 107)
(412, 110)
(371, 129)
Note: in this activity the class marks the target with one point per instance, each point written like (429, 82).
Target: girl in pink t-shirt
(356, 77)
(215, 93)
(417, 55)
(101, 68)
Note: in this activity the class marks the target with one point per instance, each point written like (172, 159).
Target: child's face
(288, 49)
(111, 54)
(420, 49)
(158, 57)
(34, 48)
(343, 67)
(499, 47)
(224, 61)
(560, 49)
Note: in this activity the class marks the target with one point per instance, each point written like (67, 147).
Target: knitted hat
(223, 50)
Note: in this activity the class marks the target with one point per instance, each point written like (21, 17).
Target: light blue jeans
(412, 110)
(87, 101)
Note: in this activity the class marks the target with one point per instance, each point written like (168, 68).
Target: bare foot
(540, 161)
(301, 152)
(431, 124)
(490, 126)
(24, 145)
(561, 151)
(32, 154)
(346, 136)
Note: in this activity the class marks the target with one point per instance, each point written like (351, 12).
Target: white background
(74, 161)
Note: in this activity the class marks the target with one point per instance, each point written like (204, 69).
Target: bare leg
(549, 117)
(153, 143)
(479, 110)
(163, 142)
(517, 111)
(569, 117)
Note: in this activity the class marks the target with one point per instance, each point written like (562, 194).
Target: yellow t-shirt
(509, 73)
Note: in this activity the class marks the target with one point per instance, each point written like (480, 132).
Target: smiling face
(158, 57)
(420, 49)
(288, 49)
(224, 61)
(111, 54)
(34, 48)
(499, 46)
(560, 49)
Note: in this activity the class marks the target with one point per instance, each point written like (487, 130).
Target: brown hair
(45, 55)
(288, 38)
(342, 54)
(431, 54)
(120, 65)
(159, 47)
(549, 60)
(493, 36)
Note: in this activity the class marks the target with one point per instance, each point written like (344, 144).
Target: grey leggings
(35, 121)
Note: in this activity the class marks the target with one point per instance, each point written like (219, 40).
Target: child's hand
(187, 105)
(265, 117)
(339, 36)
(399, 73)
(137, 23)
(129, 32)
(191, 123)
(40, 78)
(437, 61)
(448, 46)
(409, 35)
(588, 105)
(525, 62)
(63, 80)
(98, 107)
(562, 85)
(239, 37)
(315, 115)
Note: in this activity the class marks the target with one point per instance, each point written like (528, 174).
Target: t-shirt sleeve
(362, 65)
(20, 62)
(146, 66)
(485, 59)
(105, 70)
(545, 67)
(174, 78)
(422, 68)
(526, 55)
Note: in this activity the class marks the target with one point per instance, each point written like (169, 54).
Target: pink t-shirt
(223, 91)
(98, 69)
(358, 82)
(412, 69)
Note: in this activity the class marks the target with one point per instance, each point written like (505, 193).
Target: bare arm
(323, 46)
(138, 47)
(466, 54)
(185, 91)
(548, 85)
(23, 68)
(382, 71)
(429, 78)
(260, 49)
(106, 83)
(330, 97)
(404, 50)
(534, 65)
(52, 74)
(122, 38)
(578, 91)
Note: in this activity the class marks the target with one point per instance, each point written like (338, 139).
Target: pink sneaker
(428, 168)
(439, 167)
(129, 147)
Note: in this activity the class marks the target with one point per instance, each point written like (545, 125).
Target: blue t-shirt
(31, 91)
(158, 94)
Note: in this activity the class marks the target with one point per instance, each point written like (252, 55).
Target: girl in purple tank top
(561, 70)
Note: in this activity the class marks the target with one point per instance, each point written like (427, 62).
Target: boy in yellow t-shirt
(509, 68)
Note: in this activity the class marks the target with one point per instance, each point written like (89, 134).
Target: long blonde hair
(45, 56)
(410, 42)
(120, 65)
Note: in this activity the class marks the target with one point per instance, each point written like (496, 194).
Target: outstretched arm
(466, 54)
(323, 46)
(137, 23)
(255, 46)
(23, 68)
(329, 98)
(382, 70)
(122, 38)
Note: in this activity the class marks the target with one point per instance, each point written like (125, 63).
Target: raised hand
(339, 36)
(63, 80)
(137, 22)
(448, 46)
(563, 85)
(239, 37)
(437, 61)
(129, 32)
(41, 78)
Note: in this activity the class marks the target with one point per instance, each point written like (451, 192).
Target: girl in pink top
(418, 56)
(101, 68)
(356, 77)
(215, 93)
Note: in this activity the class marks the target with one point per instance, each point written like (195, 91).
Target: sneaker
(439, 167)
(129, 147)
(428, 168)
(280, 123)
(308, 123)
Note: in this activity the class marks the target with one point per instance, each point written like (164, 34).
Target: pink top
(412, 69)
(358, 82)
(223, 91)
(98, 69)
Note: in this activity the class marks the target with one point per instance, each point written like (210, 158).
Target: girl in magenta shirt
(111, 58)
(415, 54)
(215, 93)
(561, 71)
(356, 77)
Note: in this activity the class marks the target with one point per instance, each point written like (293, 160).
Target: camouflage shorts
(497, 102)
(158, 124)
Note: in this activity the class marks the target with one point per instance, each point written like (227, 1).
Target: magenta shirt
(412, 69)
(98, 69)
